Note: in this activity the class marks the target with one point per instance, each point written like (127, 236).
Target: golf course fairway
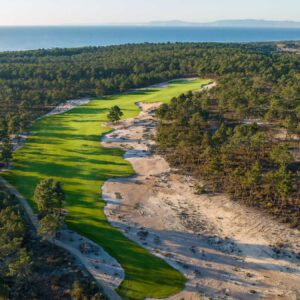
(67, 147)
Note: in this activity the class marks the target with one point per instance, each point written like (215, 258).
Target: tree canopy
(49, 197)
(254, 80)
(115, 114)
(240, 158)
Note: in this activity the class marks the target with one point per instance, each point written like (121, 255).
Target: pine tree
(6, 151)
(49, 225)
(281, 155)
(49, 195)
(115, 114)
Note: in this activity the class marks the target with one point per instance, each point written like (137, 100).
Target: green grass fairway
(67, 147)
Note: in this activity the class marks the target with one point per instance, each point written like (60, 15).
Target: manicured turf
(67, 147)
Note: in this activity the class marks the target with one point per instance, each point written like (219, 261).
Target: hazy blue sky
(33, 12)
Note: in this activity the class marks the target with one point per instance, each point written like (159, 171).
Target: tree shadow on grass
(87, 110)
(99, 151)
(52, 137)
(93, 161)
(67, 170)
(139, 92)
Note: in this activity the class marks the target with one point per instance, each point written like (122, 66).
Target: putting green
(67, 148)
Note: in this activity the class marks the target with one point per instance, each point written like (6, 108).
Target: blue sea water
(25, 38)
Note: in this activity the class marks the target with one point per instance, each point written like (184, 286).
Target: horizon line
(151, 23)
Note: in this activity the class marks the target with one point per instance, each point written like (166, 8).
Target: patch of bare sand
(226, 250)
(68, 105)
(104, 268)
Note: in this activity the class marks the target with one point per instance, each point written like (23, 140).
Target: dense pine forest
(32, 82)
(254, 161)
(32, 268)
(240, 137)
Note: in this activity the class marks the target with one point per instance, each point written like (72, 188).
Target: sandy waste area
(225, 250)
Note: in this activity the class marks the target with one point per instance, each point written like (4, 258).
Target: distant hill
(173, 23)
(230, 23)
(255, 23)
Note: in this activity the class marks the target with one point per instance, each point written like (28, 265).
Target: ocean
(27, 38)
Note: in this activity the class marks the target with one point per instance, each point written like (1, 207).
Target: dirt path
(226, 250)
(17, 141)
(106, 270)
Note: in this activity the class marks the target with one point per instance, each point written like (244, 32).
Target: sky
(94, 12)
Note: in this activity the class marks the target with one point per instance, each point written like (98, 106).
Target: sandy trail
(66, 106)
(107, 272)
(226, 250)
(18, 141)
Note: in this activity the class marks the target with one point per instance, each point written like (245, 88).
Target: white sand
(223, 248)
(68, 105)
(101, 265)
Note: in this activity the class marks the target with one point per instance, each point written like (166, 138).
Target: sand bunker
(68, 105)
(226, 250)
